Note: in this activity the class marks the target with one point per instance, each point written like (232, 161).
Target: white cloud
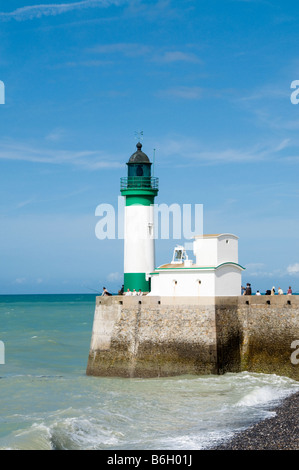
(194, 151)
(113, 277)
(267, 92)
(91, 160)
(293, 268)
(56, 135)
(183, 92)
(88, 63)
(142, 50)
(127, 49)
(282, 145)
(178, 56)
(24, 203)
(37, 11)
(20, 280)
(254, 266)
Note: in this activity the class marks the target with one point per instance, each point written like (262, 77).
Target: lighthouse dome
(139, 156)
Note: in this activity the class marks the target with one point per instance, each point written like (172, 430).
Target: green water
(47, 401)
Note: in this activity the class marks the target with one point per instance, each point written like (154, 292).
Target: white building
(216, 271)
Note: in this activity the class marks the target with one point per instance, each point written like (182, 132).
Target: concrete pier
(167, 336)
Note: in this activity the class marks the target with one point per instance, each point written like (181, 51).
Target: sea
(48, 402)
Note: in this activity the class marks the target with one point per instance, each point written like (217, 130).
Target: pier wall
(166, 336)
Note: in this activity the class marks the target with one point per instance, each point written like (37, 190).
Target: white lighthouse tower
(139, 189)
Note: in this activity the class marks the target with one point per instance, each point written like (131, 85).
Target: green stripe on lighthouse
(136, 281)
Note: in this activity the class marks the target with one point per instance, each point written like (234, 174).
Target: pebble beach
(280, 432)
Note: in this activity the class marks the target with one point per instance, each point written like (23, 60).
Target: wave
(137, 414)
(67, 434)
(270, 390)
(260, 396)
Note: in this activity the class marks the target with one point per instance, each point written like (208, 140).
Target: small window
(227, 241)
(139, 171)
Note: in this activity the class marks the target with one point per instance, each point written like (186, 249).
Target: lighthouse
(139, 189)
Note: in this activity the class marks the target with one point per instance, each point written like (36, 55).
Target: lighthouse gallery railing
(139, 182)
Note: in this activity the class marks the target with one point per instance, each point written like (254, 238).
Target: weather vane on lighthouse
(139, 136)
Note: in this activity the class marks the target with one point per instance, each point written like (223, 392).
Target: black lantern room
(139, 164)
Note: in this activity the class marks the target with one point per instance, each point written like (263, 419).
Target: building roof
(173, 266)
(139, 156)
(216, 235)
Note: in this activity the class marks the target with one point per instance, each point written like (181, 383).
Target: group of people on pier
(245, 291)
(248, 291)
(121, 292)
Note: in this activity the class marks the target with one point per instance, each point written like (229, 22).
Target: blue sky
(208, 82)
